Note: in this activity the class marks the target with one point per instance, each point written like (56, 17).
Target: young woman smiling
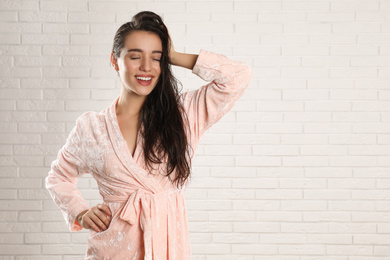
(139, 149)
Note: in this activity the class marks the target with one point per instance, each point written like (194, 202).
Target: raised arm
(206, 105)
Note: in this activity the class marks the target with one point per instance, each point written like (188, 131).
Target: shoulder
(89, 118)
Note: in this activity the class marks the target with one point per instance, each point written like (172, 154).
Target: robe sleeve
(63, 176)
(206, 105)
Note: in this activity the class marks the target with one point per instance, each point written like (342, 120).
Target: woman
(139, 148)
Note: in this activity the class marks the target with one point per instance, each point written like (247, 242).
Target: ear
(114, 61)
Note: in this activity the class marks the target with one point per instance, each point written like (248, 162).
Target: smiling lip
(141, 79)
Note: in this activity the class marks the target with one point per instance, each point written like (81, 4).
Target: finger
(98, 221)
(105, 209)
(89, 224)
(102, 216)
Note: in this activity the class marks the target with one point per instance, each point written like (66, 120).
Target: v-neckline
(133, 156)
(124, 154)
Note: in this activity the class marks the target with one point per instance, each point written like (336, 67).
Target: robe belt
(153, 218)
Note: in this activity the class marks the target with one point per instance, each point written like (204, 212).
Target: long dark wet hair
(162, 118)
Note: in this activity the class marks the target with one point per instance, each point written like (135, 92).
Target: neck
(129, 104)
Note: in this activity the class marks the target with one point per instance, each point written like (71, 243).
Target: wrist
(80, 216)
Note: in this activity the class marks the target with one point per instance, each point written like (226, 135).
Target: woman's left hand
(171, 48)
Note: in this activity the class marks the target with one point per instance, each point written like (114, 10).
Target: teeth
(142, 78)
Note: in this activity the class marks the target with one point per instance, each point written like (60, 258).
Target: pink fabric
(149, 216)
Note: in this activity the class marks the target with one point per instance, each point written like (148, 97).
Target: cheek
(158, 69)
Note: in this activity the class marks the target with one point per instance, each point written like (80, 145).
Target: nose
(145, 65)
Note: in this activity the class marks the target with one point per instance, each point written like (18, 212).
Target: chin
(143, 90)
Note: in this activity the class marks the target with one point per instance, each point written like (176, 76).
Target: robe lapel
(123, 152)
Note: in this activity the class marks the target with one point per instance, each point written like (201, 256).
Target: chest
(129, 129)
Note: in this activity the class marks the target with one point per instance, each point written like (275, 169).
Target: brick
(355, 161)
(111, 7)
(352, 228)
(65, 94)
(283, 239)
(20, 227)
(18, 250)
(234, 17)
(9, 195)
(43, 39)
(270, 128)
(8, 16)
(314, 28)
(90, 17)
(12, 72)
(39, 105)
(210, 28)
(51, 17)
(278, 194)
(203, 6)
(63, 72)
(11, 239)
(63, 6)
(311, 228)
(25, 194)
(20, 27)
(348, 205)
(64, 50)
(21, 205)
(211, 249)
(367, 6)
(304, 139)
(63, 249)
(210, 227)
(350, 250)
(338, 61)
(19, 5)
(231, 194)
(232, 172)
(211, 183)
(6, 149)
(256, 227)
(254, 249)
(327, 216)
(235, 238)
(8, 172)
(65, 28)
(330, 17)
(255, 205)
(356, 27)
(302, 249)
(318, 128)
(19, 139)
(227, 150)
(91, 83)
(8, 127)
(208, 205)
(162, 6)
(231, 216)
(39, 257)
(46, 238)
(56, 227)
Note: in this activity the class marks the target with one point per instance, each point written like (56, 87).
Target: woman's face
(139, 62)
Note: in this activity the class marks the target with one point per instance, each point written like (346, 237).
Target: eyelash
(139, 58)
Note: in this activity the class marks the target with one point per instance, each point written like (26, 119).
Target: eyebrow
(139, 50)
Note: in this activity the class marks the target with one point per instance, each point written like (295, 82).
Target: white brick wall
(298, 170)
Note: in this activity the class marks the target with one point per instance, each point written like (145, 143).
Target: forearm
(184, 60)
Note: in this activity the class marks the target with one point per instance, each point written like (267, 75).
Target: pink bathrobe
(148, 212)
